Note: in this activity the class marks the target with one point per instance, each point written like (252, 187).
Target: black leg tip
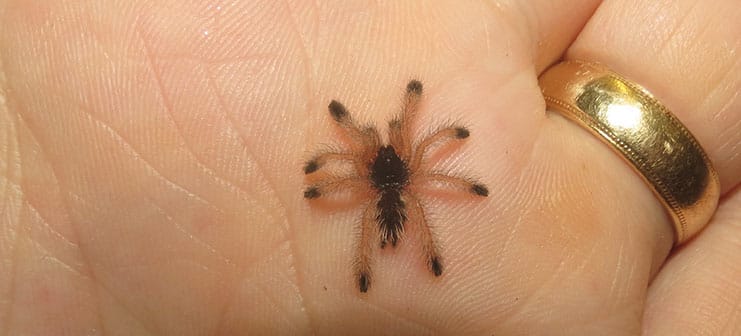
(337, 110)
(415, 87)
(462, 133)
(480, 189)
(436, 267)
(363, 283)
(312, 192)
(311, 167)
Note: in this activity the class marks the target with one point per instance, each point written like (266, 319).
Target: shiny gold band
(644, 132)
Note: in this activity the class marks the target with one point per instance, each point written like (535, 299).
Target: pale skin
(151, 169)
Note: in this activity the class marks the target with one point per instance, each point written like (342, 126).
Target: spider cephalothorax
(384, 173)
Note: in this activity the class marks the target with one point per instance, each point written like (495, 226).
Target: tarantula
(382, 174)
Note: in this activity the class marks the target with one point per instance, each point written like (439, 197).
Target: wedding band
(652, 140)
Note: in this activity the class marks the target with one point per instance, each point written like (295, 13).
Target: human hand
(152, 156)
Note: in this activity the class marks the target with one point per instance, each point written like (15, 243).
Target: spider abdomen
(391, 216)
(389, 174)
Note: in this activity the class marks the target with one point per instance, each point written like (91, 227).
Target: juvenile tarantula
(384, 173)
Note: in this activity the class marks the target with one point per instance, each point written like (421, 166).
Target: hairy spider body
(389, 175)
(384, 172)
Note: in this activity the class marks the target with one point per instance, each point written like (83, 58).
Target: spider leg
(319, 160)
(430, 248)
(333, 184)
(457, 183)
(359, 161)
(364, 136)
(365, 247)
(445, 135)
(400, 127)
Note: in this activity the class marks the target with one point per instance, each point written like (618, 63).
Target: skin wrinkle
(234, 287)
(127, 147)
(532, 25)
(131, 150)
(520, 308)
(600, 324)
(168, 108)
(7, 188)
(487, 34)
(217, 61)
(633, 235)
(721, 82)
(618, 266)
(83, 256)
(510, 236)
(703, 262)
(733, 139)
(9, 166)
(631, 272)
(726, 108)
(46, 225)
(727, 325)
(287, 228)
(212, 250)
(678, 25)
(587, 257)
(397, 317)
(12, 288)
(34, 210)
(47, 255)
(717, 297)
(552, 278)
(260, 170)
(135, 155)
(528, 162)
(310, 76)
(495, 7)
(14, 232)
(152, 329)
(273, 302)
(169, 112)
(735, 68)
(243, 276)
(13, 274)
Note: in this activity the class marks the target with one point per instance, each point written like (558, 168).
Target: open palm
(152, 157)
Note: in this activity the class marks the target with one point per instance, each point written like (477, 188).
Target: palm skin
(153, 175)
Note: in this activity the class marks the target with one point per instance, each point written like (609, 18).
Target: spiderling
(382, 173)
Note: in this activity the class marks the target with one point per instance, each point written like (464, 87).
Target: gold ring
(655, 143)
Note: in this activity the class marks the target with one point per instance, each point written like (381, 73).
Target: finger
(687, 56)
(548, 26)
(698, 290)
(625, 202)
(685, 59)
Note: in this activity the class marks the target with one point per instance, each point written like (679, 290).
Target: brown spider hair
(383, 174)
